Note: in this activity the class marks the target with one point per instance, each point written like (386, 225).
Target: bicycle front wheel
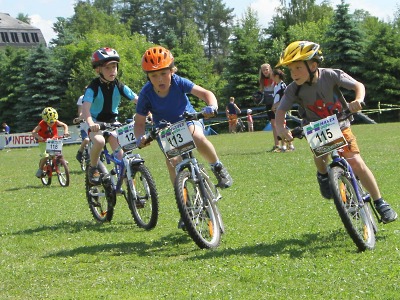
(48, 172)
(101, 198)
(143, 199)
(62, 171)
(197, 211)
(355, 218)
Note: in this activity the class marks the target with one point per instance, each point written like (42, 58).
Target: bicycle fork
(362, 196)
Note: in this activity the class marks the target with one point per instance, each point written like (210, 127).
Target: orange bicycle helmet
(300, 51)
(157, 58)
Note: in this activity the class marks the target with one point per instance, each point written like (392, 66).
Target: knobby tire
(62, 170)
(355, 218)
(101, 198)
(143, 201)
(48, 170)
(200, 220)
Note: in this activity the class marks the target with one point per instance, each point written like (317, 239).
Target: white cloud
(265, 10)
(45, 26)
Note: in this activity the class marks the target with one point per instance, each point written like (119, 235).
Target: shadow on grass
(28, 187)
(74, 227)
(307, 245)
(165, 246)
(162, 247)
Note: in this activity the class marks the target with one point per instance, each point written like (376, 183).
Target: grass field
(283, 240)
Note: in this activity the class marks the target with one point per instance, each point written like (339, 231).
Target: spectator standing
(266, 86)
(250, 120)
(232, 111)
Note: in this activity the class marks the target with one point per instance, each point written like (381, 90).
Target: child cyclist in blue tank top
(100, 104)
(164, 95)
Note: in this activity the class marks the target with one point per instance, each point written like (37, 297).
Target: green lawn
(282, 241)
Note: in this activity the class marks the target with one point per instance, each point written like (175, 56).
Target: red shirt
(268, 82)
(46, 131)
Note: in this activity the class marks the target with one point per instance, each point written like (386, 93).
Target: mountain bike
(353, 203)
(128, 177)
(196, 195)
(55, 163)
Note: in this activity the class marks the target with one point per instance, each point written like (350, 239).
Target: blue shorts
(84, 134)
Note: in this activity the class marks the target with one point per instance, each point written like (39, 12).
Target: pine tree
(244, 60)
(344, 49)
(40, 88)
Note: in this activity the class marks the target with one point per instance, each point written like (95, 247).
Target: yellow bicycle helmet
(49, 115)
(300, 51)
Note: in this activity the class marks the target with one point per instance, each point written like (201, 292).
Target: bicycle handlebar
(109, 126)
(297, 132)
(151, 136)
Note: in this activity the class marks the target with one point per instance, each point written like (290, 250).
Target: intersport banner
(25, 139)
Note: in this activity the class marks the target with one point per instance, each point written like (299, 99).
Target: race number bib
(54, 146)
(176, 139)
(126, 136)
(324, 135)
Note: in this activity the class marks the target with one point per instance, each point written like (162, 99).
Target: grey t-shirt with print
(321, 99)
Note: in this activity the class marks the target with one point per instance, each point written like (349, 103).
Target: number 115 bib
(324, 135)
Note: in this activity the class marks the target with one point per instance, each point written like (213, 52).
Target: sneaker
(277, 150)
(39, 173)
(181, 225)
(79, 156)
(94, 175)
(387, 213)
(324, 187)
(222, 175)
(274, 148)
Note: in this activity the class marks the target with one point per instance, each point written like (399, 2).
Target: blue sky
(43, 13)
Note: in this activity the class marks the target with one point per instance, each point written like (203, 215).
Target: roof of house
(14, 32)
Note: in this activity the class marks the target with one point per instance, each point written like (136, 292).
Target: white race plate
(176, 139)
(324, 135)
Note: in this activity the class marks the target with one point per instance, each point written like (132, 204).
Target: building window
(4, 37)
(14, 37)
(35, 37)
(25, 37)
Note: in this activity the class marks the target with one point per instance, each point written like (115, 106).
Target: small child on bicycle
(164, 95)
(100, 104)
(47, 129)
(317, 92)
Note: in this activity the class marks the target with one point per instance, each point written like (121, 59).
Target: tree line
(210, 46)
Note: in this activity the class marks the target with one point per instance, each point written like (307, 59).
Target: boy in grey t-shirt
(317, 92)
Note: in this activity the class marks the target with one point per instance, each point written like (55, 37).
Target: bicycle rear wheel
(48, 172)
(62, 172)
(197, 211)
(143, 200)
(101, 198)
(354, 216)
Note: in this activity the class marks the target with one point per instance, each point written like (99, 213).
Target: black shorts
(270, 113)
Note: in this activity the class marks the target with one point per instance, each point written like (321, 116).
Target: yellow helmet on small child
(49, 115)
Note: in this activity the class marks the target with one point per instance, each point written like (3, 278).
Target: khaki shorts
(233, 119)
(351, 146)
